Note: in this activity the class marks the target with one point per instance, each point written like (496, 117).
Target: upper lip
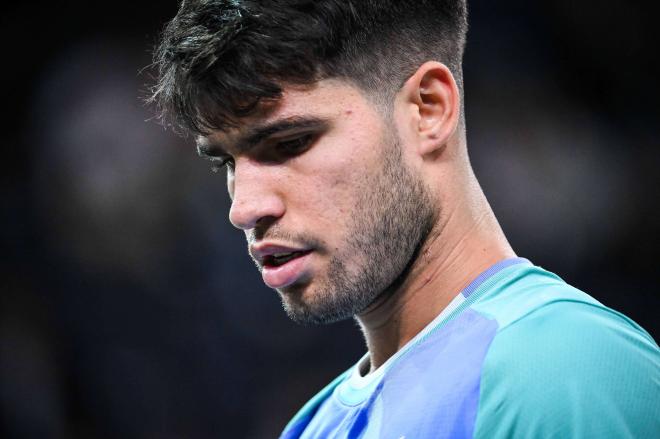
(264, 249)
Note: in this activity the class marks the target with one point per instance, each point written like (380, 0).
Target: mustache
(275, 233)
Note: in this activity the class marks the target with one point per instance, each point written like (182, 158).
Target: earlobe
(436, 97)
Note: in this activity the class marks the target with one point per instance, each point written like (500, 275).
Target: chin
(308, 307)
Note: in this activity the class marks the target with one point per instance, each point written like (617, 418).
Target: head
(333, 118)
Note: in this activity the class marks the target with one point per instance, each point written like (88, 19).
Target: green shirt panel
(569, 369)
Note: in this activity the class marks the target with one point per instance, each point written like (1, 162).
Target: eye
(220, 163)
(294, 146)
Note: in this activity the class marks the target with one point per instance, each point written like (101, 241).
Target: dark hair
(218, 59)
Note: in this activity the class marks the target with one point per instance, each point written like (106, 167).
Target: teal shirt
(519, 353)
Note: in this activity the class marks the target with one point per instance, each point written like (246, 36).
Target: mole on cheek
(349, 112)
(335, 182)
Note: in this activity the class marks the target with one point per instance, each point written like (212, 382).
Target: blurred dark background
(129, 307)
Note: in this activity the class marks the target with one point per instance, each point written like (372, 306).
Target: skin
(316, 198)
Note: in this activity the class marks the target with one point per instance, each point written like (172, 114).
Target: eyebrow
(257, 134)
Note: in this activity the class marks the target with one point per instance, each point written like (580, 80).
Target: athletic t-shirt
(518, 353)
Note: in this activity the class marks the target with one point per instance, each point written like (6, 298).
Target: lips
(281, 265)
(279, 259)
(286, 274)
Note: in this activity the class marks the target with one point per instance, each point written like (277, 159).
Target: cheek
(327, 193)
(342, 158)
(333, 170)
(330, 186)
(336, 171)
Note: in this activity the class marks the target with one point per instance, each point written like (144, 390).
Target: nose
(255, 195)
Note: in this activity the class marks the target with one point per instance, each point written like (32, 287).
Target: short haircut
(219, 59)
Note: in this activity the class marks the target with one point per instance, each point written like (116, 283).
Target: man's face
(332, 214)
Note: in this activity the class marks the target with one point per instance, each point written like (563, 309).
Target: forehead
(324, 100)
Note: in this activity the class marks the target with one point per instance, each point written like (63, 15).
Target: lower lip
(286, 274)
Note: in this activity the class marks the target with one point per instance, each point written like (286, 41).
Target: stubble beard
(391, 221)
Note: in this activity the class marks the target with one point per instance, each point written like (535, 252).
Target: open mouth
(279, 259)
(282, 269)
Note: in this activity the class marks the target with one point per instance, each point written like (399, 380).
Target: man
(341, 127)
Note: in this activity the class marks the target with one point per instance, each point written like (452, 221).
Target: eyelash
(220, 163)
(288, 148)
(294, 145)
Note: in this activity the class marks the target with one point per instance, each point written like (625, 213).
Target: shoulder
(573, 339)
(570, 367)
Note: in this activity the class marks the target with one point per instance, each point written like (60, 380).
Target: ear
(433, 102)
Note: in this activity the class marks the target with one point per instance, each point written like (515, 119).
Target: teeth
(281, 255)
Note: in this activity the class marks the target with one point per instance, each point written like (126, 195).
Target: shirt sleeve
(570, 370)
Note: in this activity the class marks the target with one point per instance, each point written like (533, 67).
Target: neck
(465, 241)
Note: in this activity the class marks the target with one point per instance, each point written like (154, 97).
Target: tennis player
(341, 127)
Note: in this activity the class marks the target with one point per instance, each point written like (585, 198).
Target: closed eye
(278, 151)
(294, 146)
